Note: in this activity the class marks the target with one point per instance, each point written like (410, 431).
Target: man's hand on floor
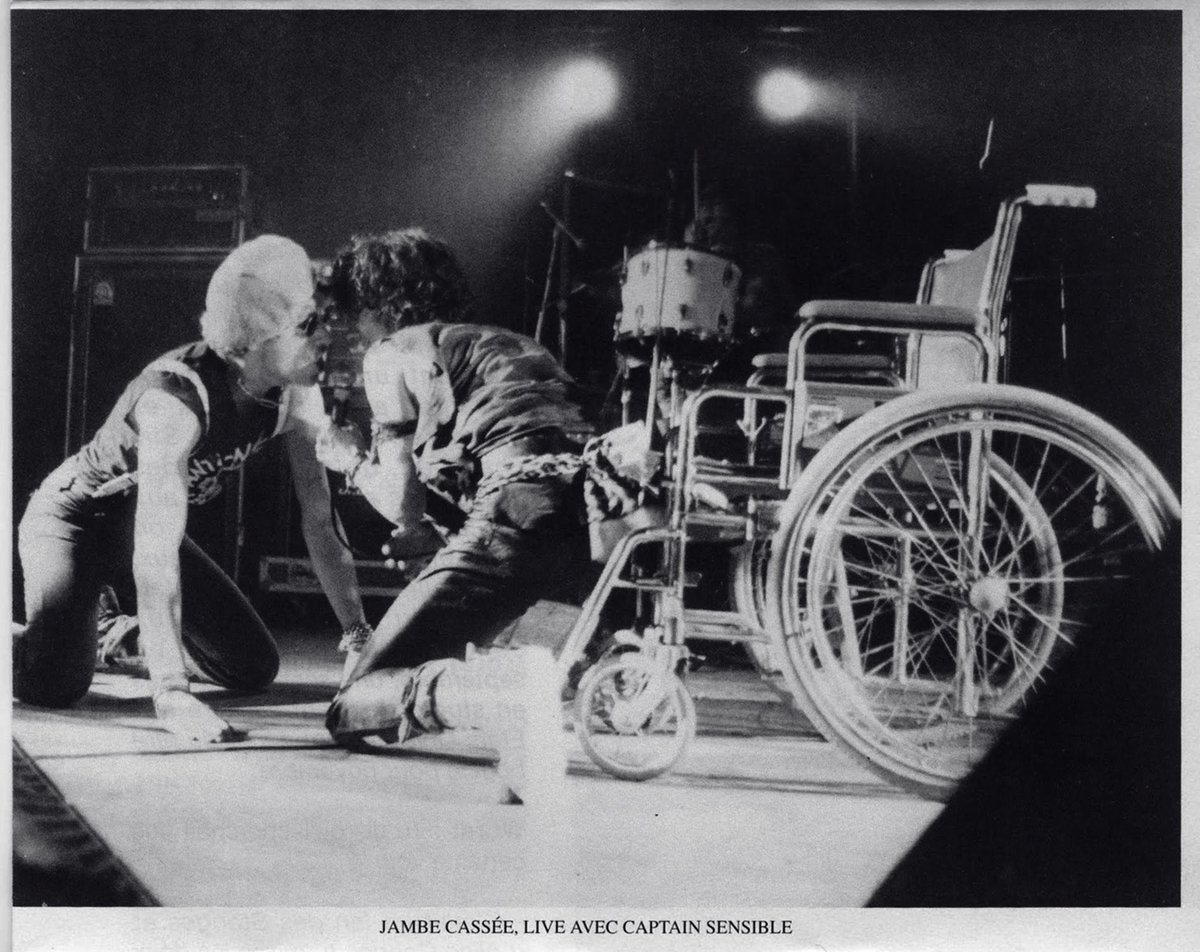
(191, 719)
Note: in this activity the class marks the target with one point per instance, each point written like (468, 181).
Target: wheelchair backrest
(959, 279)
(978, 279)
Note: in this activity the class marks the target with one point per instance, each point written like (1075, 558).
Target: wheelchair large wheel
(862, 565)
(936, 559)
(748, 583)
(634, 719)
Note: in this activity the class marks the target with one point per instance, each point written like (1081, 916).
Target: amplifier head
(166, 208)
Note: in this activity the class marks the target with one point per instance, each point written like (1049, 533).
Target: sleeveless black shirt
(229, 432)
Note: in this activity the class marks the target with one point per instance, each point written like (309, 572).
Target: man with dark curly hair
(501, 404)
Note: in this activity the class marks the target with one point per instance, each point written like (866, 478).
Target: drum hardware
(680, 297)
(572, 175)
(555, 252)
(562, 226)
(655, 384)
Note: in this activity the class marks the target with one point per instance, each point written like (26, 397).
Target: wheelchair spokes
(943, 560)
(633, 716)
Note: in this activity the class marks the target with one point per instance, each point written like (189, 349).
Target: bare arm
(390, 483)
(167, 432)
(331, 560)
(392, 486)
(401, 387)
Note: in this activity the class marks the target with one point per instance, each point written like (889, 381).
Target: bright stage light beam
(585, 90)
(783, 95)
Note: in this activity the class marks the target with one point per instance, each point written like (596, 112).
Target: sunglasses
(307, 327)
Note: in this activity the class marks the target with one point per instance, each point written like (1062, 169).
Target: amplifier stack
(152, 237)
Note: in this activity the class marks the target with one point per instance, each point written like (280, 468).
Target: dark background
(358, 120)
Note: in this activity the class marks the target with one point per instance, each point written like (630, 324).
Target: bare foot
(191, 719)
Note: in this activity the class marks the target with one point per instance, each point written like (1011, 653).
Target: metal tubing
(589, 617)
(689, 428)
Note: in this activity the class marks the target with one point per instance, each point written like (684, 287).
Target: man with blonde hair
(114, 514)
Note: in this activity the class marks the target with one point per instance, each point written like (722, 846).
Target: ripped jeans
(70, 545)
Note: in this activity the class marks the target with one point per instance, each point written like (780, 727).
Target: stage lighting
(586, 90)
(783, 94)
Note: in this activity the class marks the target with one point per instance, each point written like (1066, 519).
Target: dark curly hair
(407, 276)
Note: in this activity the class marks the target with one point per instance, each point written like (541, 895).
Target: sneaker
(514, 697)
(529, 730)
(118, 648)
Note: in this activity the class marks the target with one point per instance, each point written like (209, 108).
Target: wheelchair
(913, 545)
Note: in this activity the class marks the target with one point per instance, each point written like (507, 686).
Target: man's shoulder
(192, 373)
(490, 338)
(419, 338)
(402, 357)
(197, 356)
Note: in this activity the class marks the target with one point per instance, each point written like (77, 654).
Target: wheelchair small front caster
(634, 719)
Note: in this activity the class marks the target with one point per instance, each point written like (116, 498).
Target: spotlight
(784, 94)
(585, 90)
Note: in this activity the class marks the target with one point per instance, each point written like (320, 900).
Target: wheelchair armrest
(888, 314)
(835, 361)
(769, 361)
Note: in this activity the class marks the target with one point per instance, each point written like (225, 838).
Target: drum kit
(676, 301)
(678, 316)
(680, 297)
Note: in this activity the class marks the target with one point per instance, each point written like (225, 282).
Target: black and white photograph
(599, 476)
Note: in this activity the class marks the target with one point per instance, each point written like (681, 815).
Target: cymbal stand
(539, 330)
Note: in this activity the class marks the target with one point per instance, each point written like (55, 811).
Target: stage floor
(775, 819)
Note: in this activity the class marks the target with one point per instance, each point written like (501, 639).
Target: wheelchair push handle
(1068, 196)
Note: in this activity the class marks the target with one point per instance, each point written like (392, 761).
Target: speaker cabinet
(129, 309)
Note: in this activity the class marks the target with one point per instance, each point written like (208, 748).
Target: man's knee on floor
(46, 686)
(49, 678)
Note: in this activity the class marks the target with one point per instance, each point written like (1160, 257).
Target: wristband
(355, 636)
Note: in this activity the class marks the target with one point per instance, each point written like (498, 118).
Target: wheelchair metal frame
(977, 327)
(697, 509)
